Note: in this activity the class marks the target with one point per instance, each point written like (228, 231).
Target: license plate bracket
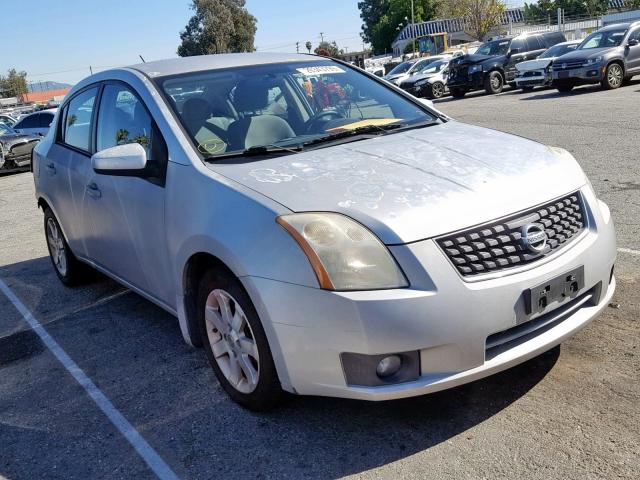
(561, 288)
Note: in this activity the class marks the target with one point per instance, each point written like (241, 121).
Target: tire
(565, 87)
(457, 92)
(528, 89)
(68, 268)
(436, 90)
(614, 77)
(494, 82)
(239, 354)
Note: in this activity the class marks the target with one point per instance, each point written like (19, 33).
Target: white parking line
(629, 251)
(148, 454)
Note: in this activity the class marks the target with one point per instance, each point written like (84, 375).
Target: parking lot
(572, 413)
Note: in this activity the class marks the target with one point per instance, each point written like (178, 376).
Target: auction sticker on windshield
(308, 71)
(364, 123)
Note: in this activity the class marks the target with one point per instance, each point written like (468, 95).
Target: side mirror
(124, 160)
(633, 42)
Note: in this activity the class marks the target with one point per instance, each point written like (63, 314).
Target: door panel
(126, 212)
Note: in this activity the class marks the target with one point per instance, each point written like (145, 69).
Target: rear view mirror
(129, 159)
(633, 42)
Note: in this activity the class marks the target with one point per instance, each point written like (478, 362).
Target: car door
(633, 53)
(67, 166)
(127, 212)
(517, 53)
(44, 123)
(28, 124)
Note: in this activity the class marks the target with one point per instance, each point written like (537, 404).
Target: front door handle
(93, 190)
(51, 167)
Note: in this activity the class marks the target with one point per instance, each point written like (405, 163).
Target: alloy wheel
(56, 247)
(614, 75)
(496, 82)
(232, 341)
(437, 90)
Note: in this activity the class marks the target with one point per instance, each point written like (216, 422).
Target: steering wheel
(322, 117)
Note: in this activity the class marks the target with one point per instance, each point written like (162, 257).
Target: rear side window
(123, 119)
(534, 43)
(45, 119)
(553, 38)
(28, 122)
(77, 120)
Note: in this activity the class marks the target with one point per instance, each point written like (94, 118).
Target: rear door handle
(93, 190)
(51, 167)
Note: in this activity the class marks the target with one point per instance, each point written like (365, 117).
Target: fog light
(389, 366)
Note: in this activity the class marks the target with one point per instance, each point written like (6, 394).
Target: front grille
(532, 73)
(567, 65)
(499, 245)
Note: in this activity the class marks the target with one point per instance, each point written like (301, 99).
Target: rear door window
(29, 122)
(78, 120)
(45, 119)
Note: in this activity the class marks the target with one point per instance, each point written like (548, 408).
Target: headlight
(475, 68)
(592, 61)
(344, 254)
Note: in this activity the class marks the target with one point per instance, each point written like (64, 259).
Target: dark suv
(494, 62)
(609, 56)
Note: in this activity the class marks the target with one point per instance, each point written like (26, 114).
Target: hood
(538, 64)
(15, 138)
(416, 78)
(581, 55)
(418, 184)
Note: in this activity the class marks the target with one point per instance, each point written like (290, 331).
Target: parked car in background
(609, 56)
(330, 237)
(538, 73)
(494, 63)
(8, 120)
(15, 148)
(408, 68)
(36, 123)
(430, 82)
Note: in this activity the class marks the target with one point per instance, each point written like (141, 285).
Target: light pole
(413, 26)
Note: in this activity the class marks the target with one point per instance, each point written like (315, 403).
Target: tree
(381, 19)
(308, 46)
(14, 84)
(481, 16)
(328, 49)
(542, 10)
(218, 26)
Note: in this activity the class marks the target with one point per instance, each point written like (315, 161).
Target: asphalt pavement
(572, 413)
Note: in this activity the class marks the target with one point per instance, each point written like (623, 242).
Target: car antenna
(143, 60)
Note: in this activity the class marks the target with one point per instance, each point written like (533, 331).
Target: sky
(59, 41)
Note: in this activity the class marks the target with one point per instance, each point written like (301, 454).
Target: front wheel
(436, 90)
(493, 83)
(614, 76)
(236, 343)
(69, 270)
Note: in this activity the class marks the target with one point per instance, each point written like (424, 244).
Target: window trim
(64, 110)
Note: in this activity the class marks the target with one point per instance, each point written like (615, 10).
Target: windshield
(402, 68)
(610, 38)
(434, 67)
(284, 105)
(558, 50)
(496, 47)
(6, 129)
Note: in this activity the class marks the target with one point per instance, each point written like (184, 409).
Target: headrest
(252, 95)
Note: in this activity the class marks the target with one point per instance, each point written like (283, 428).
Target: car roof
(617, 26)
(174, 66)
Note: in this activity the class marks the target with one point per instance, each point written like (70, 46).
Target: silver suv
(318, 230)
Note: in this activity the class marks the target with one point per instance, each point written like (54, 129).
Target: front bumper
(537, 78)
(444, 317)
(468, 81)
(591, 74)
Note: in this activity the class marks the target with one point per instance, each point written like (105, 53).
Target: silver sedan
(319, 231)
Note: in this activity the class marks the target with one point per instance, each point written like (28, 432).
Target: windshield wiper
(356, 132)
(256, 151)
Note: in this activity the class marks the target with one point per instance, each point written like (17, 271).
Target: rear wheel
(493, 82)
(614, 76)
(236, 343)
(436, 90)
(458, 92)
(69, 270)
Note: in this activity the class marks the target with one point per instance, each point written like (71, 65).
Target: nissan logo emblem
(534, 238)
